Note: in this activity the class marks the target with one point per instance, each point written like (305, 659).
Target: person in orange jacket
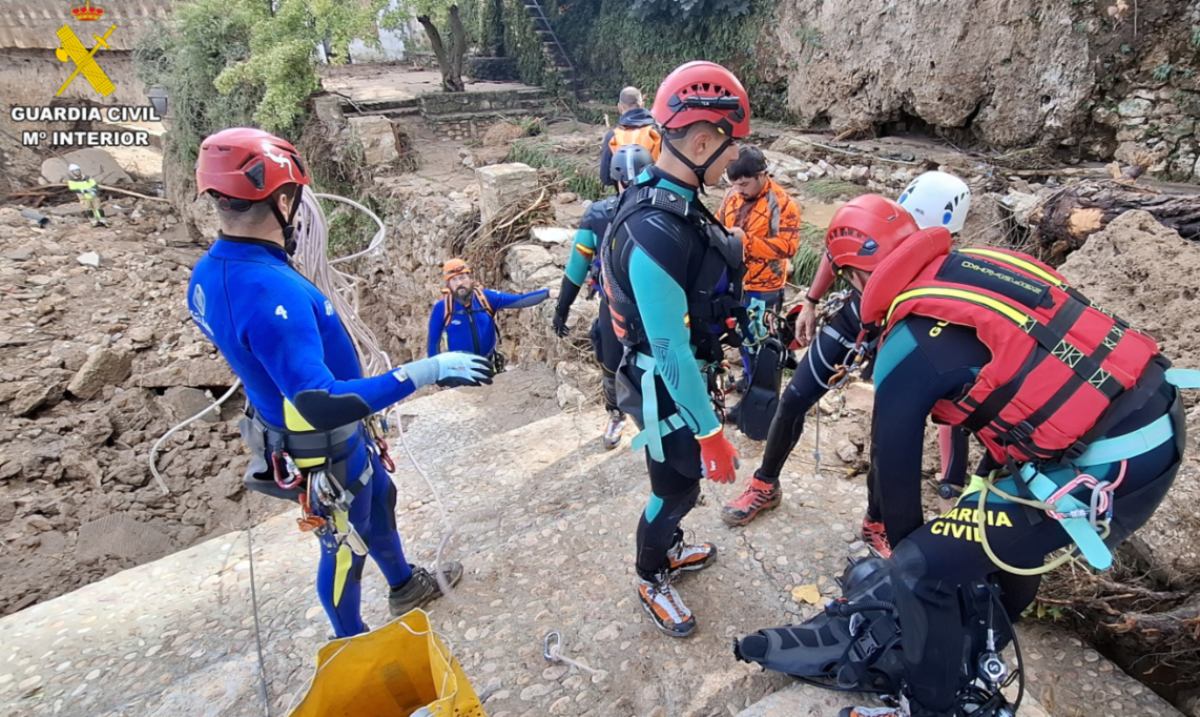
(766, 219)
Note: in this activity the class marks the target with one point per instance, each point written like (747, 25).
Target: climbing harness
(1053, 489)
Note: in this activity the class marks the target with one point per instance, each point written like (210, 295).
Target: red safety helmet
(866, 230)
(248, 164)
(703, 92)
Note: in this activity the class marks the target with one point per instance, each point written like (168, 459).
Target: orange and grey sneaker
(759, 496)
(664, 606)
(874, 534)
(687, 557)
(873, 712)
(612, 432)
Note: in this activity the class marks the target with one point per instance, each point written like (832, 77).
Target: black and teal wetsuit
(583, 266)
(656, 266)
(920, 362)
(301, 372)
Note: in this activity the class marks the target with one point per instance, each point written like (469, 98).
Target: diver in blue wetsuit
(309, 418)
(466, 315)
(672, 279)
(583, 266)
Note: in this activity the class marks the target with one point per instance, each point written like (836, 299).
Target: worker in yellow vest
(88, 191)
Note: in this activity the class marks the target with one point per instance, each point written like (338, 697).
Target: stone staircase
(449, 105)
(460, 115)
(552, 48)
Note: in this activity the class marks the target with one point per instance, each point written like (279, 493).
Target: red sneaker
(875, 536)
(758, 497)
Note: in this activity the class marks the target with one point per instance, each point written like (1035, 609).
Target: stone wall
(441, 103)
(31, 77)
(468, 115)
(1157, 127)
(422, 218)
(422, 59)
(462, 129)
(1082, 78)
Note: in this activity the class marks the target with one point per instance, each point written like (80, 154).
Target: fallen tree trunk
(1182, 621)
(1068, 217)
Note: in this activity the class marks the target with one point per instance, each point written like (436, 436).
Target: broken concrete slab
(378, 137)
(503, 184)
(531, 265)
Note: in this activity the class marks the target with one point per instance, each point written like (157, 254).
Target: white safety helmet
(74, 168)
(937, 199)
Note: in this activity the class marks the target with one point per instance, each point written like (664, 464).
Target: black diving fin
(757, 407)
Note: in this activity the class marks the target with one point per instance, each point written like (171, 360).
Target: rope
(264, 687)
(152, 459)
(312, 260)
(981, 526)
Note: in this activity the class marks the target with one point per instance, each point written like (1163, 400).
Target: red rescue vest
(1058, 361)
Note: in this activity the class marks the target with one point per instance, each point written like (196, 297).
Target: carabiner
(552, 646)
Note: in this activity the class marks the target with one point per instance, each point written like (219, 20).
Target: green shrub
(579, 178)
(227, 63)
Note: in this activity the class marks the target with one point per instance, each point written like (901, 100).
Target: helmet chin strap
(285, 223)
(698, 169)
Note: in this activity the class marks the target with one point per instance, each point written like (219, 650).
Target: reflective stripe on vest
(1023, 406)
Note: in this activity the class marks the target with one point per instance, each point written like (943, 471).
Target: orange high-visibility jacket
(772, 226)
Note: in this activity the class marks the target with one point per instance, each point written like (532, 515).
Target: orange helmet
(455, 267)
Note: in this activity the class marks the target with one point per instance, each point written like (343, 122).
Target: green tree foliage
(240, 62)
(614, 43)
(282, 57)
(202, 38)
